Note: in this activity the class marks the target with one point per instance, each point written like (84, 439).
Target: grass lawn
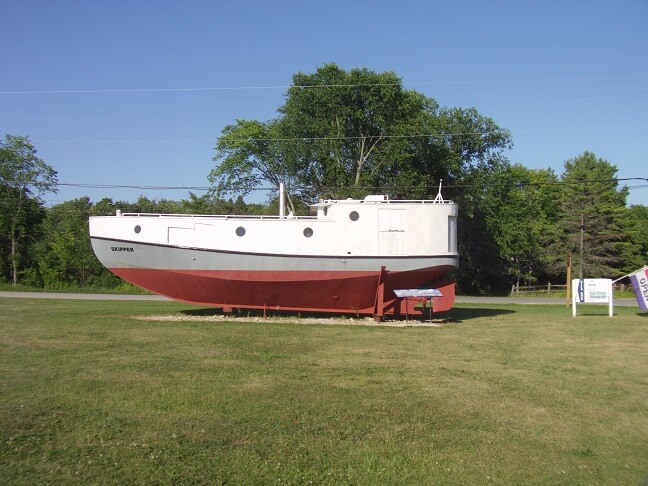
(502, 394)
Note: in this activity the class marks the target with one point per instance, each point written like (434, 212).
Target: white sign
(593, 291)
(429, 293)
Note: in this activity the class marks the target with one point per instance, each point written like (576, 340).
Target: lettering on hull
(128, 249)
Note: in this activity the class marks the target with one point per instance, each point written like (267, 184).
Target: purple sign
(639, 281)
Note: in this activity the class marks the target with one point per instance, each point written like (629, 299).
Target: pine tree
(592, 221)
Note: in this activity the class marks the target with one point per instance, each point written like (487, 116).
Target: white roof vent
(377, 198)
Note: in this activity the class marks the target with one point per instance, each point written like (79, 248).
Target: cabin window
(138, 228)
(354, 216)
(308, 232)
(240, 231)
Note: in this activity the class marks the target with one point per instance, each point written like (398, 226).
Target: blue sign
(581, 290)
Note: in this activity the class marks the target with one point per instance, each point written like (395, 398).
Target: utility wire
(315, 139)
(275, 139)
(445, 186)
(320, 86)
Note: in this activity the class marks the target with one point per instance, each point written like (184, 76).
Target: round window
(138, 228)
(354, 216)
(308, 232)
(240, 231)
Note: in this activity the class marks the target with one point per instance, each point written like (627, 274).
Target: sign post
(593, 291)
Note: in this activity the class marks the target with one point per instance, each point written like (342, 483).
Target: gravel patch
(331, 321)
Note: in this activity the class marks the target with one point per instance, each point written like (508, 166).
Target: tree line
(348, 134)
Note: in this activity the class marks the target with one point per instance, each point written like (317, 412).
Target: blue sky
(137, 92)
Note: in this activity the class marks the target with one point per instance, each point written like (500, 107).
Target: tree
(507, 221)
(66, 256)
(523, 215)
(638, 216)
(106, 206)
(24, 178)
(252, 152)
(592, 220)
(480, 231)
(482, 268)
(198, 204)
(348, 128)
(342, 134)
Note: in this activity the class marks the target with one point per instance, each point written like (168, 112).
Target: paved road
(460, 299)
(531, 300)
(64, 295)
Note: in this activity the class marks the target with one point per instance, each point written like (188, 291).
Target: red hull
(318, 291)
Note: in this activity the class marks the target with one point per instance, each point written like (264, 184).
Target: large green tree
(638, 216)
(251, 154)
(346, 133)
(66, 256)
(523, 214)
(504, 213)
(24, 178)
(593, 223)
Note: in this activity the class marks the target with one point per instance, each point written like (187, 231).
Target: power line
(320, 86)
(142, 187)
(323, 138)
(445, 186)
(273, 139)
(329, 189)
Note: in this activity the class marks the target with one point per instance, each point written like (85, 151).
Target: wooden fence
(550, 289)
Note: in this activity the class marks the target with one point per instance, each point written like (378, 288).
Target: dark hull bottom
(369, 293)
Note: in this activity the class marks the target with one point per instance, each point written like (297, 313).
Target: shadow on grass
(462, 314)
(603, 312)
(452, 316)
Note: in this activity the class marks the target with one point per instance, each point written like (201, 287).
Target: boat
(347, 257)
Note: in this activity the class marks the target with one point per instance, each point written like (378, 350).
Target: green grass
(504, 394)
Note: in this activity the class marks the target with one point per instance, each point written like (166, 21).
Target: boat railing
(389, 201)
(274, 217)
(217, 216)
(384, 199)
(422, 201)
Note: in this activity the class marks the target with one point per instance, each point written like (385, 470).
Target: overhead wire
(303, 139)
(319, 86)
(445, 186)
(277, 139)
(521, 82)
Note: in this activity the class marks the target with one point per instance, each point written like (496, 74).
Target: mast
(282, 201)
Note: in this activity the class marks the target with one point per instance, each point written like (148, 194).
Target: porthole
(308, 232)
(354, 216)
(240, 231)
(138, 228)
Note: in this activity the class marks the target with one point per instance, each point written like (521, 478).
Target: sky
(136, 93)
